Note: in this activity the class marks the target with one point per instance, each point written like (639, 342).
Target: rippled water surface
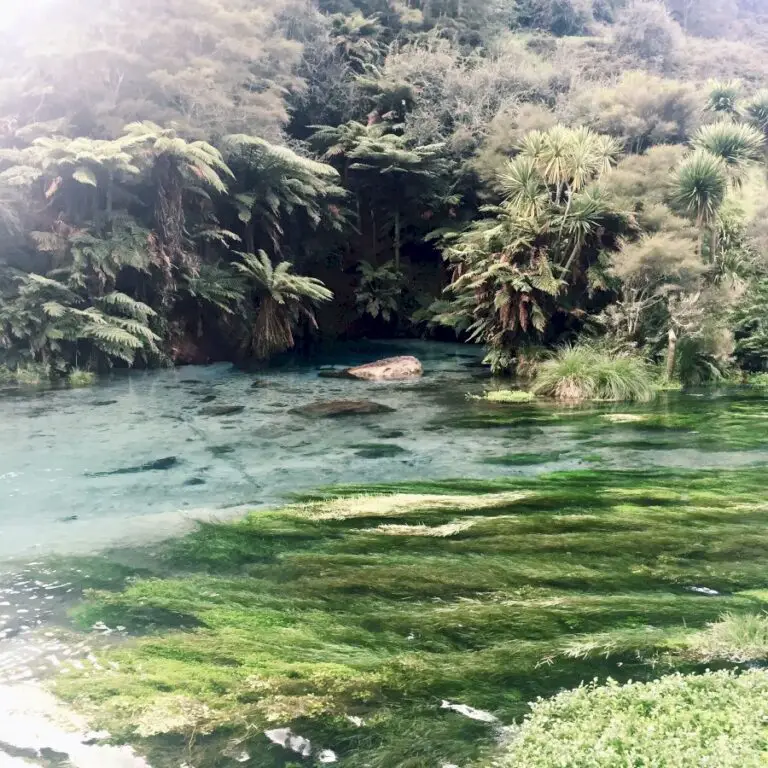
(99, 472)
(137, 457)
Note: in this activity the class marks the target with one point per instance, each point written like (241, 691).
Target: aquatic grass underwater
(353, 614)
(731, 420)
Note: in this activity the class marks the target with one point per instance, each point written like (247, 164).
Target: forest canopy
(201, 180)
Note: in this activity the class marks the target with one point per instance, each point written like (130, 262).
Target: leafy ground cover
(353, 615)
(678, 721)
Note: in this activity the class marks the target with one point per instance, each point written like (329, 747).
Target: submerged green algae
(735, 421)
(485, 593)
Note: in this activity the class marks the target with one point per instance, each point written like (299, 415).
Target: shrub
(79, 378)
(678, 721)
(758, 380)
(584, 372)
(29, 375)
(641, 110)
(736, 638)
(645, 30)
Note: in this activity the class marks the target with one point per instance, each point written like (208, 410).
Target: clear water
(136, 459)
(70, 460)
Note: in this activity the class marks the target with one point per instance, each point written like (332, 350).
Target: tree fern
(274, 183)
(282, 298)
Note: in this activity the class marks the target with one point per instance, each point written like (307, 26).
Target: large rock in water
(335, 408)
(389, 369)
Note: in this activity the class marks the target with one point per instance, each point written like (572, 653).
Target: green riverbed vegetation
(357, 617)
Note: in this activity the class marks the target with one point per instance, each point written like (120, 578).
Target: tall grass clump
(30, 375)
(78, 378)
(735, 637)
(585, 372)
(678, 721)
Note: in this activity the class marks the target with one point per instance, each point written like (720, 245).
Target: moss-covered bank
(352, 618)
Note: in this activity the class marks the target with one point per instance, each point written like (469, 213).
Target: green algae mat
(409, 625)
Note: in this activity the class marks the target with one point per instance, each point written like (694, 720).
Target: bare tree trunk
(671, 350)
(700, 240)
(397, 239)
(373, 236)
(110, 193)
(250, 245)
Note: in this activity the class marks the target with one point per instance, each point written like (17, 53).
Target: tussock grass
(79, 378)
(583, 372)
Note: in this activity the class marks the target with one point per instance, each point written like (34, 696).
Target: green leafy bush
(678, 721)
(758, 380)
(585, 372)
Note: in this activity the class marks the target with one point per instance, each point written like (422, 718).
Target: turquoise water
(141, 456)
(136, 458)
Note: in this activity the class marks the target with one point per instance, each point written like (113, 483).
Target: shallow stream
(143, 455)
(136, 458)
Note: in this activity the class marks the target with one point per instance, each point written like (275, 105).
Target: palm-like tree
(357, 37)
(567, 160)
(402, 174)
(723, 97)
(273, 182)
(178, 166)
(736, 144)
(552, 152)
(756, 111)
(523, 188)
(587, 213)
(56, 324)
(282, 297)
(698, 187)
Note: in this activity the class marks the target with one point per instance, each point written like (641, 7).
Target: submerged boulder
(389, 369)
(334, 408)
(378, 450)
(221, 410)
(158, 465)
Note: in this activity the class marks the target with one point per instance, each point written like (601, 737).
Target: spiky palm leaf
(699, 184)
(523, 188)
(555, 156)
(586, 213)
(756, 110)
(737, 144)
(724, 96)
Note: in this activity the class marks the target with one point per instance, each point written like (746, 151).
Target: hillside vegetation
(181, 182)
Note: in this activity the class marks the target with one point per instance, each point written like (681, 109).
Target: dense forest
(187, 182)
